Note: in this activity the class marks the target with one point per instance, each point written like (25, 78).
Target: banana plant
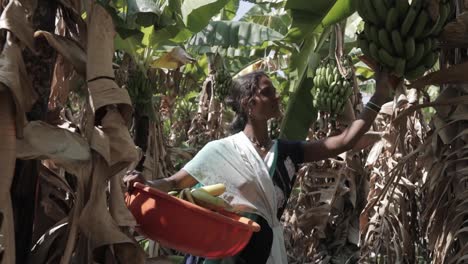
(309, 30)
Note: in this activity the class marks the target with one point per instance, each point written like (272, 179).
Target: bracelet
(370, 108)
(374, 104)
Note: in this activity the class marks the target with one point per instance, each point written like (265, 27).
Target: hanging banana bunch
(401, 36)
(331, 90)
(221, 76)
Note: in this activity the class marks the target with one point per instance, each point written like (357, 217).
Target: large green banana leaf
(229, 10)
(306, 16)
(308, 20)
(197, 14)
(276, 19)
(265, 1)
(234, 34)
(341, 10)
(300, 112)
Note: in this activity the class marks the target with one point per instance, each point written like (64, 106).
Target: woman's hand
(164, 184)
(132, 177)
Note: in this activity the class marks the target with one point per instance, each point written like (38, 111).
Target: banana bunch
(331, 90)
(205, 196)
(401, 36)
(222, 82)
(219, 75)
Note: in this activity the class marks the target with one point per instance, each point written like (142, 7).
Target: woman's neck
(258, 131)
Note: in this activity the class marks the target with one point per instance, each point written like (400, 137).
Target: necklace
(262, 147)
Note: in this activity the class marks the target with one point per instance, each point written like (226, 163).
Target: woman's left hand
(132, 177)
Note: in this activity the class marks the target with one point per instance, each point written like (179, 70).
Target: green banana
(430, 59)
(390, 3)
(327, 104)
(399, 68)
(402, 6)
(414, 61)
(410, 47)
(392, 19)
(332, 105)
(360, 8)
(370, 12)
(386, 58)
(421, 22)
(427, 45)
(342, 91)
(205, 199)
(398, 43)
(334, 88)
(444, 10)
(327, 70)
(408, 22)
(322, 81)
(374, 34)
(385, 42)
(330, 78)
(366, 31)
(337, 76)
(416, 5)
(381, 9)
(329, 85)
(374, 51)
(415, 73)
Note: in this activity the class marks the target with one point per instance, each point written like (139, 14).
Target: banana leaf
(234, 34)
(229, 11)
(307, 30)
(341, 10)
(264, 1)
(197, 14)
(306, 17)
(276, 19)
(300, 112)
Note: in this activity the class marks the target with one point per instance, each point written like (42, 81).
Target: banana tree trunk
(23, 190)
(7, 167)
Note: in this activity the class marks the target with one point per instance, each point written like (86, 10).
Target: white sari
(235, 162)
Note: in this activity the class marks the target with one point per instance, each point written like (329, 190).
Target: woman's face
(265, 103)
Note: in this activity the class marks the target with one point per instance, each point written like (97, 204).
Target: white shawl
(235, 162)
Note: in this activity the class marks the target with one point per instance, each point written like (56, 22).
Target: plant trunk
(141, 133)
(23, 189)
(7, 167)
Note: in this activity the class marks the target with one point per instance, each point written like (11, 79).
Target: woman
(259, 172)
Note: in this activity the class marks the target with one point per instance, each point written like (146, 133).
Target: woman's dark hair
(243, 87)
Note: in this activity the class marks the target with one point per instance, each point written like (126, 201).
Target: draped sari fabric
(235, 162)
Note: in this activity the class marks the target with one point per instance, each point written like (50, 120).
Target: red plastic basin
(187, 227)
